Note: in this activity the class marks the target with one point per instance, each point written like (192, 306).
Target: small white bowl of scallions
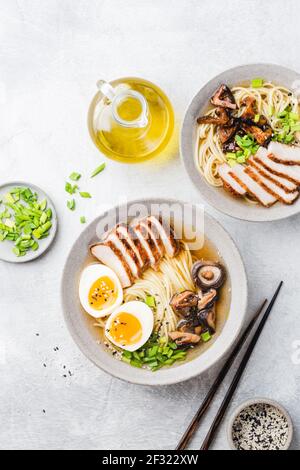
(28, 222)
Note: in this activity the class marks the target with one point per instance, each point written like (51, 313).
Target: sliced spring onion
(150, 301)
(206, 336)
(71, 189)
(71, 204)
(75, 176)
(289, 124)
(85, 194)
(24, 220)
(98, 170)
(257, 82)
(156, 353)
(82, 219)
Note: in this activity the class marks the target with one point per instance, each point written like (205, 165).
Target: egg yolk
(103, 293)
(126, 329)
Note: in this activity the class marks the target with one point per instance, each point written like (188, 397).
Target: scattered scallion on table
(71, 204)
(85, 194)
(98, 170)
(71, 189)
(74, 188)
(75, 176)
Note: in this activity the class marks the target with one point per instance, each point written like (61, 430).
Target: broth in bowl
(169, 303)
(207, 241)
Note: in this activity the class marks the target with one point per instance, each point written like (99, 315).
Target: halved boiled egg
(100, 290)
(130, 325)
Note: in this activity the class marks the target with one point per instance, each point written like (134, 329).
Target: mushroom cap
(186, 325)
(207, 319)
(208, 274)
(184, 303)
(184, 338)
(207, 299)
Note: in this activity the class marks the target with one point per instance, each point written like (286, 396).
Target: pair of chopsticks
(189, 433)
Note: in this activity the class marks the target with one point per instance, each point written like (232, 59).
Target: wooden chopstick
(220, 414)
(193, 426)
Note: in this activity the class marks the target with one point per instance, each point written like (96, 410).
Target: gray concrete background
(52, 53)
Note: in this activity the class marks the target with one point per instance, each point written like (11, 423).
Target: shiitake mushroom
(208, 274)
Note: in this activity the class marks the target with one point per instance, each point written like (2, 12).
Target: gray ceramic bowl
(218, 197)
(255, 401)
(6, 253)
(80, 325)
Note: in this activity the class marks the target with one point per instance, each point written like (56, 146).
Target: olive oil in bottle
(130, 120)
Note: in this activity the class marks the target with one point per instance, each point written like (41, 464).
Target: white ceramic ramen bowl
(218, 197)
(87, 337)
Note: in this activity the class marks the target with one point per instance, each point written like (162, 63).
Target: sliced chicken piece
(154, 234)
(108, 254)
(290, 172)
(251, 186)
(229, 182)
(129, 235)
(167, 236)
(272, 188)
(129, 255)
(282, 182)
(148, 244)
(281, 153)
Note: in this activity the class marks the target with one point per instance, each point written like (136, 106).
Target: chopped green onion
(43, 218)
(71, 204)
(75, 176)
(136, 355)
(43, 205)
(82, 219)
(153, 364)
(127, 354)
(206, 336)
(231, 155)
(98, 170)
(288, 124)
(85, 194)
(257, 82)
(256, 118)
(9, 198)
(150, 301)
(126, 359)
(70, 188)
(135, 363)
(26, 220)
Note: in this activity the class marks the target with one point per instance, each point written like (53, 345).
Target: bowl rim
(266, 215)
(156, 379)
(254, 401)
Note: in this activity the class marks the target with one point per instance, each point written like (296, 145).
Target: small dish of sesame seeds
(260, 424)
